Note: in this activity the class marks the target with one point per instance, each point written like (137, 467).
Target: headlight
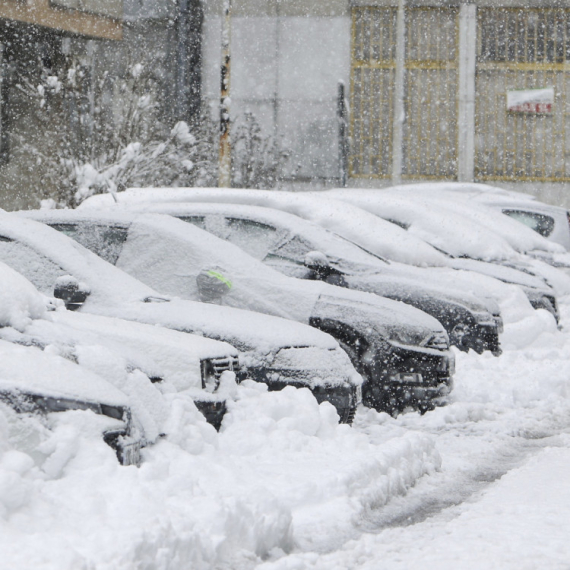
(405, 336)
(483, 318)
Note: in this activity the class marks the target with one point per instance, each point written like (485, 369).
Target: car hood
(382, 284)
(390, 320)
(502, 273)
(246, 330)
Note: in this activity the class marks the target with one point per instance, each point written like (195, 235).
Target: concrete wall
(285, 69)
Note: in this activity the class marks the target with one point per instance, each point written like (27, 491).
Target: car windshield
(340, 252)
(104, 240)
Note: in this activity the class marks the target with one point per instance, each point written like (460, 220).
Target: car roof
(459, 228)
(326, 241)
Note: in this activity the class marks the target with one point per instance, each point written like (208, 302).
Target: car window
(105, 241)
(38, 269)
(295, 250)
(198, 221)
(540, 223)
(253, 237)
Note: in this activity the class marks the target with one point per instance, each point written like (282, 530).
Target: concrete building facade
(438, 90)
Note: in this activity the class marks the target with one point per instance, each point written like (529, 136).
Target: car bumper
(483, 337)
(344, 397)
(407, 377)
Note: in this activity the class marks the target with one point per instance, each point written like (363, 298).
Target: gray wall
(285, 69)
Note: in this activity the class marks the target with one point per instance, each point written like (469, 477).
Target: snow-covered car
(302, 249)
(126, 353)
(401, 352)
(551, 222)
(188, 363)
(418, 260)
(466, 235)
(33, 382)
(367, 230)
(272, 350)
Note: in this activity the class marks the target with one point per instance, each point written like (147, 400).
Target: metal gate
(430, 130)
(372, 93)
(522, 49)
(430, 101)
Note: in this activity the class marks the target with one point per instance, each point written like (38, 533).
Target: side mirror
(212, 285)
(71, 292)
(316, 260)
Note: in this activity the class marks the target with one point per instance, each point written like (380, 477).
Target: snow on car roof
(375, 235)
(29, 369)
(461, 188)
(19, 299)
(438, 223)
(324, 240)
(520, 237)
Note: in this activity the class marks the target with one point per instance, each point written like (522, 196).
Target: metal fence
(430, 101)
(522, 49)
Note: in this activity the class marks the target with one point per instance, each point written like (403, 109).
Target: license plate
(407, 378)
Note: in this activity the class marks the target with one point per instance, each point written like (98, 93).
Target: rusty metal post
(225, 159)
(342, 118)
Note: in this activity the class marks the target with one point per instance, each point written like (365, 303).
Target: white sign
(531, 101)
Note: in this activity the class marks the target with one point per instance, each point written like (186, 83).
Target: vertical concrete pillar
(399, 112)
(466, 95)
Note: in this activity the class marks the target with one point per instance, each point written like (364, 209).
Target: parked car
(171, 360)
(301, 249)
(367, 230)
(394, 346)
(468, 240)
(45, 385)
(423, 262)
(551, 222)
(273, 350)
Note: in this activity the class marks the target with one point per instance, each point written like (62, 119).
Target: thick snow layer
(349, 222)
(518, 235)
(176, 356)
(446, 222)
(451, 233)
(201, 499)
(284, 487)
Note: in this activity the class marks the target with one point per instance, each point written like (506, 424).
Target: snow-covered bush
(99, 133)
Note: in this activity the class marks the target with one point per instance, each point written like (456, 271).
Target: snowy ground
(480, 483)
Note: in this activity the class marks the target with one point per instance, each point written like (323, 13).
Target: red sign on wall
(532, 101)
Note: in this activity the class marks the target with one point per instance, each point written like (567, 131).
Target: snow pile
(280, 472)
